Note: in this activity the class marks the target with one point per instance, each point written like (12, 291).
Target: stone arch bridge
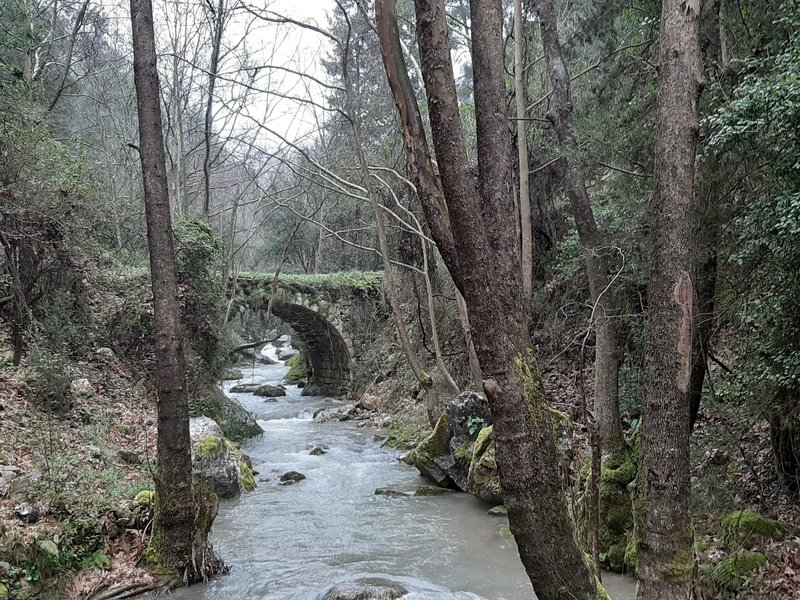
(330, 314)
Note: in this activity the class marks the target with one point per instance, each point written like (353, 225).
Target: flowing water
(294, 542)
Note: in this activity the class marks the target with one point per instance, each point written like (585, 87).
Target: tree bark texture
(475, 229)
(663, 513)
(174, 525)
(606, 367)
(526, 223)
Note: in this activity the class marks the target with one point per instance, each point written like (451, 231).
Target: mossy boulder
(428, 454)
(483, 480)
(298, 370)
(745, 529)
(218, 462)
(616, 510)
(144, 498)
(237, 423)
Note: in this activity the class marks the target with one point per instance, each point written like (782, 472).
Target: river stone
(237, 423)
(386, 491)
(368, 588)
(467, 411)
(318, 451)
(427, 455)
(431, 490)
(337, 413)
(291, 477)
(245, 388)
(270, 390)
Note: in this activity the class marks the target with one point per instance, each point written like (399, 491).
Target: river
(294, 542)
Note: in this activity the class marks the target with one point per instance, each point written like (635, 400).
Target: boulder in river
(368, 588)
(318, 451)
(245, 388)
(273, 391)
(291, 477)
(218, 461)
(232, 375)
(336, 413)
(237, 423)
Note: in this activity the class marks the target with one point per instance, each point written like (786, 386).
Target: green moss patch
(745, 529)
(210, 446)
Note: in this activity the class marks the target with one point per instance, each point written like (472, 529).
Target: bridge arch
(328, 312)
(329, 353)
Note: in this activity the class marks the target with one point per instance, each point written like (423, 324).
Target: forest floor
(81, 467)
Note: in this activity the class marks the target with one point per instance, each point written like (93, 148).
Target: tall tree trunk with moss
(663, 510)
(174, 525)
(476, 230)
(606, 367)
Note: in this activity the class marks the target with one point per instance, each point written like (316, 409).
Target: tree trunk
(663, 509)
(706, 278)
(174, 525)
(481, 250)
(606, 366)
(526, 224)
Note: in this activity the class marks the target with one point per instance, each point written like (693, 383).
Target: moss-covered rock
(247, 476)
(432, 447)
(298, 369)
(616, 511)
(210, 446)
(217, 462)
(483, 480)
(498, 511)
(745, 529)
(144, 498)
(505, 532)
(237, 423)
